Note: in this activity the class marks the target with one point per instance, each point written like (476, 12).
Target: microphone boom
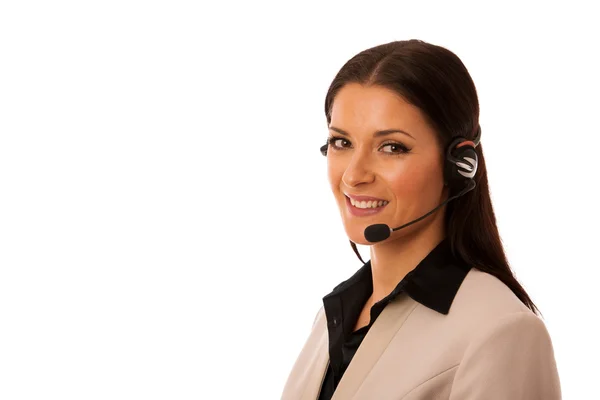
(378, 232)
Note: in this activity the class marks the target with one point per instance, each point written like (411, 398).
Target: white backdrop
(166, 225)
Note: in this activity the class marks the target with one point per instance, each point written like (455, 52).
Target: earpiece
(324, 149)
(461, 161)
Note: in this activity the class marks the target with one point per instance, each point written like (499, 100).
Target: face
(400, 174)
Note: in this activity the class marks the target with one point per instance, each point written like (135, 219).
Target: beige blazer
(489, 346)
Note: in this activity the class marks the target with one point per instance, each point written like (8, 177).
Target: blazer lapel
(373, 345)
(316, 368)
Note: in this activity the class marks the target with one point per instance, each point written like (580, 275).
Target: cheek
(334, 174)
(413, 180)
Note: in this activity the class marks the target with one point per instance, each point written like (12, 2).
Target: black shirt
(433, 283)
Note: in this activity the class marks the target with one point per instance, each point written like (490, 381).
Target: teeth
(368, 204)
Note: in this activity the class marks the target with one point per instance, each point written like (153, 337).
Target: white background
(166, 225)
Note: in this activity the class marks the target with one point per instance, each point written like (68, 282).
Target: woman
(436, 312)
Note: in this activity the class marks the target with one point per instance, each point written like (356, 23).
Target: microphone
(378, 232)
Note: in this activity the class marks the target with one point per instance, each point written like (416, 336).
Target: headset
(460, 167)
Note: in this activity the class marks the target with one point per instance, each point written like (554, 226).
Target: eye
(333, 139)
(340, 143)
(399, 148)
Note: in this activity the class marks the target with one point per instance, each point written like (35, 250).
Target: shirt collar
(434, 282)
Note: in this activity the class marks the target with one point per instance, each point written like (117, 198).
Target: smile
(368, 204)
(365, 208)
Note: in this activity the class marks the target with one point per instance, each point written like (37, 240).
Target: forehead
(374, 107)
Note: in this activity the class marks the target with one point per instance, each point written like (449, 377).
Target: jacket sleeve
(513, 359)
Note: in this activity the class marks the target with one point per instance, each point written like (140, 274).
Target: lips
(363, 212)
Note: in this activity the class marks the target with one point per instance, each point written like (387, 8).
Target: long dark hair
(434, 79)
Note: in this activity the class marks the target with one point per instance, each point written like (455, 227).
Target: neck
(393, 259)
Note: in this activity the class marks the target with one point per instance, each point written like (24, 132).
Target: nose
(358, 171)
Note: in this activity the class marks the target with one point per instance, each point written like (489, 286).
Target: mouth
(365, 208)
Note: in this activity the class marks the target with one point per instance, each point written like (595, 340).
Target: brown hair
(436, 81)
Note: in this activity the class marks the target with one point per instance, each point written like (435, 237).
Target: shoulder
(508, 352)
(504, 343)
(319, 317)
(484, 297)
(484, 303)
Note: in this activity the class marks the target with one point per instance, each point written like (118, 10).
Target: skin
(412, 182)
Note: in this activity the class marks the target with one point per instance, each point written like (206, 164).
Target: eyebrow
(376, 134)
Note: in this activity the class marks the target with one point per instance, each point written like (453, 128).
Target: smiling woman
(436, 313)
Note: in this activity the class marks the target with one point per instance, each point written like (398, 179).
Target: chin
(357, 235)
